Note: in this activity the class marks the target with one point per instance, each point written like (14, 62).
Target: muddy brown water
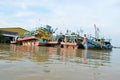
(48, 63)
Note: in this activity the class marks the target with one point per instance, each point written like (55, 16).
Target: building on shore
(9, 34)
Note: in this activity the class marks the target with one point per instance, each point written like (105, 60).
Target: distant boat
(39, 37)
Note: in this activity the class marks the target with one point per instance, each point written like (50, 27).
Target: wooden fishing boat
(39, 37)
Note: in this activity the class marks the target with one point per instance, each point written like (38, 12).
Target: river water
(48, 63)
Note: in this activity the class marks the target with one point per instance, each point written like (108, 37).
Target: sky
(73, 15)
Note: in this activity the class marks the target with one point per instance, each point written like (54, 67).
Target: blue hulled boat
(96, 43)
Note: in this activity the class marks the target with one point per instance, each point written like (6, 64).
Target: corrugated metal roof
(19, 30)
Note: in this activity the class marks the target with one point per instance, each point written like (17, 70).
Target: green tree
(73, 33)
(2, 38)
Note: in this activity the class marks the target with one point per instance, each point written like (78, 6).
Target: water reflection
(34, 53)
(96, 57)
(42, 54)
(53, 60)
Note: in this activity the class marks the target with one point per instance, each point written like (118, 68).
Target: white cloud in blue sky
(64, 14)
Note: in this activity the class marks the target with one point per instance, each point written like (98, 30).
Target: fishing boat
(39, 37)
(90, 42)
(69, 41)
(96, 42)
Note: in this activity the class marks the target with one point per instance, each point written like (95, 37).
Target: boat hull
(32, 41)
(100, 47)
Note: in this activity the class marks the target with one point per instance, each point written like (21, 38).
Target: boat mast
(95, 31)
